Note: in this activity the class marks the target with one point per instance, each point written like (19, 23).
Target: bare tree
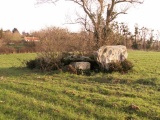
(144, 32)
(99, 14)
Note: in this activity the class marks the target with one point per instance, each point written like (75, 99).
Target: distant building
(31, 39)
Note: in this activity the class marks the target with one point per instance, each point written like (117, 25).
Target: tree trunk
(97, 37)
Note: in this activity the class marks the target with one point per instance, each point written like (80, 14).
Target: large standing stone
(108, 54)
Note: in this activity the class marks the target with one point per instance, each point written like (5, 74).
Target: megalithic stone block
(108, 54)
(81, 65)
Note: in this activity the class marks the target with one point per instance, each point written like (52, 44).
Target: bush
(7, 50)
(84, 72)
(62, 40)
(126, 65)
(122, 67)
(115, 67)
(31, 64)
(45, 63)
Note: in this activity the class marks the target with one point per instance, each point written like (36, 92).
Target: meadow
(32, 95)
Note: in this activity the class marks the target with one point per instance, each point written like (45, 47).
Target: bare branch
(99, 14)
(129, 1)
(115, 15)
(84, 5)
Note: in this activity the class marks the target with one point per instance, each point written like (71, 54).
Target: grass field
(31, 95)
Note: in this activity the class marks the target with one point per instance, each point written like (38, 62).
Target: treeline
(59, 39)
(142, 38)
(14, 42)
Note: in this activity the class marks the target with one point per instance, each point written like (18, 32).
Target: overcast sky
(26, 16)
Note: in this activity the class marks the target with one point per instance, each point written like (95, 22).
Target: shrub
(126, 65)
(7, 50)
(115, 67)
(61, 40)
(46, 63)
(31, 64)
(122, 67)
(84, 72)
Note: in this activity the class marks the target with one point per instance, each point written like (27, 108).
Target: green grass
(31, 95)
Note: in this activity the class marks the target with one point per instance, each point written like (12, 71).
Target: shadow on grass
(23, 71)
(110, 80)
(148, 81)
(142, 114)
(114, 80)
(17, 71)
